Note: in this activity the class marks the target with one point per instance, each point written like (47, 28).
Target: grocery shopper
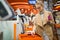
(44, 22)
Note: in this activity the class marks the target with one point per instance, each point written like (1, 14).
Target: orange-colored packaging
(57, 25)
(29, 37)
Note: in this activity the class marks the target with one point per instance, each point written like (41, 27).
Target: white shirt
(42, 17)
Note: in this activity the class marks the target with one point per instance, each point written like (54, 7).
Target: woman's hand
(30, 33)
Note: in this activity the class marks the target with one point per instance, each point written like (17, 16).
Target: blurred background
(8, 16)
